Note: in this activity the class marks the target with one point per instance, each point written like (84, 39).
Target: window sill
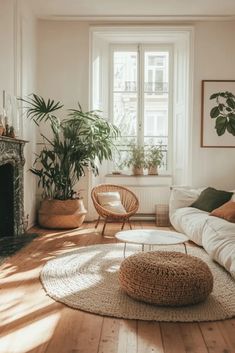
(141, 180)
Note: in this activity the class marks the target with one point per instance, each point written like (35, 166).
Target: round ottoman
(166, 278)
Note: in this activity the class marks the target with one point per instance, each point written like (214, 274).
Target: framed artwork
(218, 113)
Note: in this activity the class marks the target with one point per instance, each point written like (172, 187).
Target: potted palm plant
(76, 142)
(136, 159)
(154, 159)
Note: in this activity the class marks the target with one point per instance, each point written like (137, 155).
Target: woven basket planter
(153, 170)
(138, 171)
(58, 214)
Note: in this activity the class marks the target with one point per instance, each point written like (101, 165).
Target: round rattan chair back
(128, 199)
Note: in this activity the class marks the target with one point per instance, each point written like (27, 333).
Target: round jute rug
(87, 279)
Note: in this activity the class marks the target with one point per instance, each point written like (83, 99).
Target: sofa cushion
(226, 211)
(211, 198)
(218, 240)
(182, 197)
(190, 221)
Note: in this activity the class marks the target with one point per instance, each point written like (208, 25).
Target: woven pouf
(166, 278)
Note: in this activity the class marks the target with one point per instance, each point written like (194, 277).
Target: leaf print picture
(218, 113)
(224, 112)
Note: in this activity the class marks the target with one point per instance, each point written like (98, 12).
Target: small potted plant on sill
(154, 159)
(76, 142)
(136, 159)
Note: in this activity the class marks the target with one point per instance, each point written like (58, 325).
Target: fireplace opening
(6, 200)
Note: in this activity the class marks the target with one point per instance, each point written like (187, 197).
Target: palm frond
(37, 109)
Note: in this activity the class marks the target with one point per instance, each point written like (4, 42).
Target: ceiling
(133, 8)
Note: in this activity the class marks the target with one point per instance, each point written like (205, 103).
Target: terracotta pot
(152, 170)
(58, 214)
(138, 171)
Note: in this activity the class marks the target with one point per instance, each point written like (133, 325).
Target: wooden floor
(31, 322)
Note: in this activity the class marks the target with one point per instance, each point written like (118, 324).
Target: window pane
(124, 102)
(125, 112)
(125, 71)
(156, 65)
(156, 82)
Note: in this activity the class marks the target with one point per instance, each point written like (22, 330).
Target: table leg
(124, 251)
(142, 247)
(185, 248)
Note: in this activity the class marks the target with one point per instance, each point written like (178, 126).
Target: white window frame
(141, 49)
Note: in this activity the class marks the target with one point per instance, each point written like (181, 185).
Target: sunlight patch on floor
(21, 276)
(30, 336)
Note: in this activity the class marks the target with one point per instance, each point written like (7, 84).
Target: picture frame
(218, 114)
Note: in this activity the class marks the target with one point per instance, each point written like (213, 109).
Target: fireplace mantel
(11, 152)
(12, 148)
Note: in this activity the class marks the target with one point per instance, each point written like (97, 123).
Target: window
(173, 120)
(140, 97)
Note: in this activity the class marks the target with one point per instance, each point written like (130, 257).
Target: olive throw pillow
(211, 199)
(226, 211)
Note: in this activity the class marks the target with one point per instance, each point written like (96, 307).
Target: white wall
(28, 59)
(214, 59)
(63, 73)
(17, 77)
(7, 47)
(63, 67)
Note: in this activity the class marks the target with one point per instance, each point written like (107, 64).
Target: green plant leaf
(231, 125)
(38, 109)
(214, 95)
(215, 112)
(221, 107)
(221, 125)
(230, 95)
(231, 103)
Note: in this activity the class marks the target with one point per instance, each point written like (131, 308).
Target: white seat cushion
(216, 235)
(190, 221)
(111, 201)
(219, 241)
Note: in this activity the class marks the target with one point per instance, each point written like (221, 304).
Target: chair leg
(130, 224)
(105, 222)
(97, 222)
(123, 224)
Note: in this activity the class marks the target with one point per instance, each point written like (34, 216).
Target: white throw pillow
(111, 201)
(182, 197)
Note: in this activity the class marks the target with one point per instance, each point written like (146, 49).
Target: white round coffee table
(151, 237)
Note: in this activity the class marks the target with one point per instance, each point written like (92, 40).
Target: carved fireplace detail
(11, 187)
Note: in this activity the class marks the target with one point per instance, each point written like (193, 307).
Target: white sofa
(216, 235)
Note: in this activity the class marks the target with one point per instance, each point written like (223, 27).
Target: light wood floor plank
(172, 339)
(227, 328)
(109, 338)
(192, 338)
(213, 338)
(149, 337)
(127, 340)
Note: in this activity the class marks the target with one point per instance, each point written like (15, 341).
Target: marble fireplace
(11, 187)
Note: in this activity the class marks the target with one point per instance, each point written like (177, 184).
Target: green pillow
(210, 199)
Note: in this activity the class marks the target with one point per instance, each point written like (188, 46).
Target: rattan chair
(128, 199)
